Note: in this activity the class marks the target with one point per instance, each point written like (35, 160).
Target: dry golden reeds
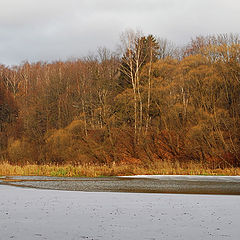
(90, 170)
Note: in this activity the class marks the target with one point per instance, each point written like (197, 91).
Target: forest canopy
(148, 102)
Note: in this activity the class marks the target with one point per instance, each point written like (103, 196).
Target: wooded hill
(148, 102)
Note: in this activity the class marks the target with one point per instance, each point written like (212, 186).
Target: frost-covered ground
(27, 214)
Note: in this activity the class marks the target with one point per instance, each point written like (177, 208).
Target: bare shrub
(59, 147)
(21, 151)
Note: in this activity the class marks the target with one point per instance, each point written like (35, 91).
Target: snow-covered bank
(27, 214)
(190, 177)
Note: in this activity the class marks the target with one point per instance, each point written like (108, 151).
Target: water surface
(137, 184)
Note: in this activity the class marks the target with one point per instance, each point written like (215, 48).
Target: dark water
(162, 184)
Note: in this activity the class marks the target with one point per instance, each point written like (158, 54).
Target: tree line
(149, 101)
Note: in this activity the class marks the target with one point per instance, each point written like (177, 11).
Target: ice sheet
(27, 214)
(190, 177)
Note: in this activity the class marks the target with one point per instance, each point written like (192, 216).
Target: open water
(138, 184)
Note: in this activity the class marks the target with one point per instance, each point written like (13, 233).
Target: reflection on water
(147, 184)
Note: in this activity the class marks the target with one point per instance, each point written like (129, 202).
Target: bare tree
(132, 61)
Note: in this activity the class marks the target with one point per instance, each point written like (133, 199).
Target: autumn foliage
(148, 104)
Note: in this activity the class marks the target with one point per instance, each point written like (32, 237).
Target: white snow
(190, 178)
(27, 214)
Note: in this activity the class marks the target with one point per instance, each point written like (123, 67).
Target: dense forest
(148, 101)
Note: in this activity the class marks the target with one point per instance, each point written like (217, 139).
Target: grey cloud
(58, 29)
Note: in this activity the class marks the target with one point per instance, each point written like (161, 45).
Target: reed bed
(159, 168)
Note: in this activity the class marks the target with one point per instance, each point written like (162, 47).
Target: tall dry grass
(160, 168)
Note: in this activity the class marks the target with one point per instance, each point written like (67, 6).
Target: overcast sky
(48, 30)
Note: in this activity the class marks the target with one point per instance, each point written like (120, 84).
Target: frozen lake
(27, 214)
